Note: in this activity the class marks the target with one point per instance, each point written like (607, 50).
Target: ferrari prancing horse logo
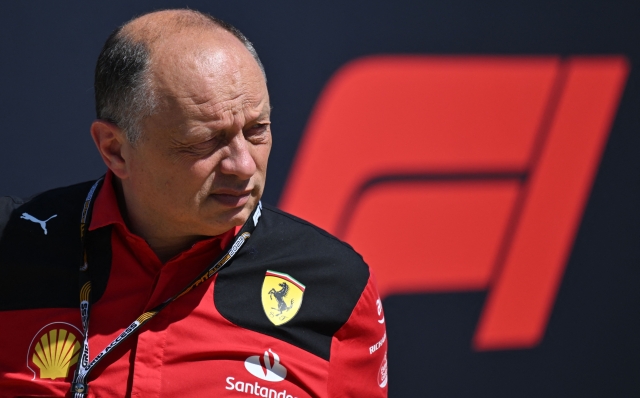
(281, 297)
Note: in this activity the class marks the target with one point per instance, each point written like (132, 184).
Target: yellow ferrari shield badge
(281, 297)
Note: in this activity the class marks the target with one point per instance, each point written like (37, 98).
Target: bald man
(168, 277)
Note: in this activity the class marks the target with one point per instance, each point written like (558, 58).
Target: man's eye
(257, 130)
(205, 145)
(259, 127)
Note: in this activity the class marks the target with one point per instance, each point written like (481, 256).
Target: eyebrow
(265, 111)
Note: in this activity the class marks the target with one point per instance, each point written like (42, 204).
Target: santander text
(255, 389)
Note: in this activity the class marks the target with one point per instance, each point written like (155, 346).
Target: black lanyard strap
(80, 386)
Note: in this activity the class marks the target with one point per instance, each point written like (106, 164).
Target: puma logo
(43, 224)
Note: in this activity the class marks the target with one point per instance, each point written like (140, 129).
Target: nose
(239, 161)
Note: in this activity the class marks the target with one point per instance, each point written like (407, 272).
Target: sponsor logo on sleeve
(383, 376)
(281, 297)
(377, 345)
(54, 351)
(379, 305)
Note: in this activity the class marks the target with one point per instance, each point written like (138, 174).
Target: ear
(111, 142)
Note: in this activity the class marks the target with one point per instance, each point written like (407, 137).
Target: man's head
(123, 90)
(183, 122)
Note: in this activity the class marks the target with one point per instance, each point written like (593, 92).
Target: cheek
(261, 157)
(201, 169)
(159, 179)
(141, 173)
(196, 179)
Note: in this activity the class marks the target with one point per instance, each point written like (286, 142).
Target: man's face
(200, 166)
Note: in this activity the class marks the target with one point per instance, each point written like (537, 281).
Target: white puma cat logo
(43, 224)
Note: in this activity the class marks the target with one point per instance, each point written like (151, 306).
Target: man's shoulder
(40, 247)
(287, 254)
(62, 199)
(288, 228)
(316, 250)
(50, 198)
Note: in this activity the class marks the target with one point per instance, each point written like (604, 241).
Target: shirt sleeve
(358, 361)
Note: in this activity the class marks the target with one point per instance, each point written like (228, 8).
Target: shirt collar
(105, 209)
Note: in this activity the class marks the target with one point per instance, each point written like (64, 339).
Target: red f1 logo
(461, 174)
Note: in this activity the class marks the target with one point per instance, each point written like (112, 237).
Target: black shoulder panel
(40, 252)
(333, 274)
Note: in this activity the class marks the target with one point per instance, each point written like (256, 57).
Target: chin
(221, 222)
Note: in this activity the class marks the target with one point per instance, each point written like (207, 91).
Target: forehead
(207, 69)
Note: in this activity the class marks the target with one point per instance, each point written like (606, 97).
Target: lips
(231, 198)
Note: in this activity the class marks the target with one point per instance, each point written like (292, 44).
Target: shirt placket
(148, 355)
(151, 342)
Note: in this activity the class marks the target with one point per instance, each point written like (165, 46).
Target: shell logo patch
(281, 297)
(54, 350)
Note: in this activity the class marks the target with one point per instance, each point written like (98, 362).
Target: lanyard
(80, 385)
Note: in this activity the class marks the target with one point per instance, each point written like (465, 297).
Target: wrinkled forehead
(204, 65)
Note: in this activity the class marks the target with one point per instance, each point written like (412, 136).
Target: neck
(164, 245)
(166, 249)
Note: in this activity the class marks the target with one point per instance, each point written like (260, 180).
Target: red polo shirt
(189, 349)
(138, 282)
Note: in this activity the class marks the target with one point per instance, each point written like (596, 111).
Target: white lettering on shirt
(255, 389)
(377, 345)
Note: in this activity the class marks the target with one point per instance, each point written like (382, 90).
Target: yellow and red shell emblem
(54, 351)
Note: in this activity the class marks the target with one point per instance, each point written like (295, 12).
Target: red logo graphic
(461, 174)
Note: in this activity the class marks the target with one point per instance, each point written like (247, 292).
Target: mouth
(231, 198)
